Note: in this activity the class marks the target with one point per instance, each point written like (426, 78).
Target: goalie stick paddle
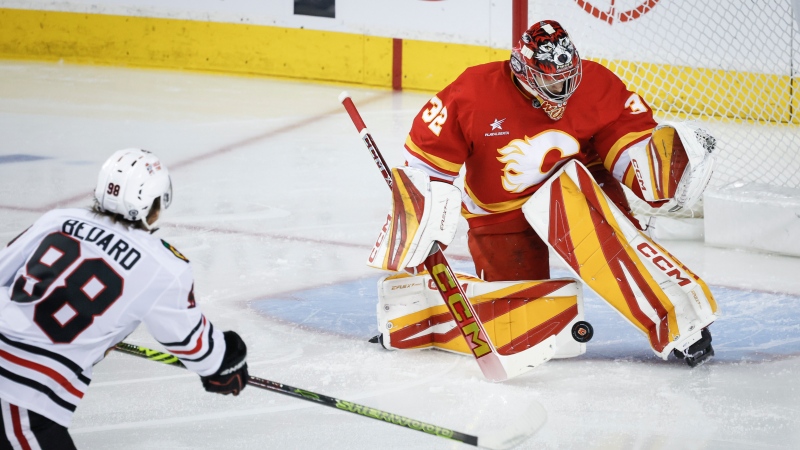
(436, 264)
(343, 405)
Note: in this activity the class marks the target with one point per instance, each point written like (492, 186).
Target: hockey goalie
(542, 177)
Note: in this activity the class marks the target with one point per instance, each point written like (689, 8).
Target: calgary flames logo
(529, 161)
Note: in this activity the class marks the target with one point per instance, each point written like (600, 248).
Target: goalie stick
(343, 405)
(436, 264)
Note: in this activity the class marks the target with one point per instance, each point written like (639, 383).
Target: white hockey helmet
(130, 181)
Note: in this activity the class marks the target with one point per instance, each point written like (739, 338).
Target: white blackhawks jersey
(75, 284)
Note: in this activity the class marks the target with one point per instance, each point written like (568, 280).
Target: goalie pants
(27, 430)
(512, 251)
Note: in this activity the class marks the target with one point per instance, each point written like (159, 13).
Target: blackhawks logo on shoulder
(174, 251)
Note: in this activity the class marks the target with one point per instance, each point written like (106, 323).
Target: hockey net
(732, 66)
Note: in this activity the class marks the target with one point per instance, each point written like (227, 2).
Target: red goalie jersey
(510, 147)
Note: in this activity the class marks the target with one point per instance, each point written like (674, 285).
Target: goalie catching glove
(232, 375)
(676, 163)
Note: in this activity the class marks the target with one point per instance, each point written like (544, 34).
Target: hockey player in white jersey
(79, 281)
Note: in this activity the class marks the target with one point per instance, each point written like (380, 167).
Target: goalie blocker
(649, 287)
(423, 212)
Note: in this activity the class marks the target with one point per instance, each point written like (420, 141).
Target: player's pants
(512, 251)
(508, 251)
(27, 430)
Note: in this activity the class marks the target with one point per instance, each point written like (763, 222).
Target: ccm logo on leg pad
(663, 263)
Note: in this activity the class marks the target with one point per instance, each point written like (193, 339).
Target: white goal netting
(733, 65)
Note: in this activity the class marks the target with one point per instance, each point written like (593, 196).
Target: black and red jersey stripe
(197, 334)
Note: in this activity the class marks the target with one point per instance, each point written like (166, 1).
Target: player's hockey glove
(232, 375)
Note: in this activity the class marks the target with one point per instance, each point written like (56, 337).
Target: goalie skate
(698, 352)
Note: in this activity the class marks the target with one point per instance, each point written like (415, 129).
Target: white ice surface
(277, 204)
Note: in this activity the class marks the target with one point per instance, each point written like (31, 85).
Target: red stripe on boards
(397, 64)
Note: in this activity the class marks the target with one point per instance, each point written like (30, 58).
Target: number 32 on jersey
(435, 116)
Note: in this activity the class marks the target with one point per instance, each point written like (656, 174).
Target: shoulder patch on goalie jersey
(174, 251)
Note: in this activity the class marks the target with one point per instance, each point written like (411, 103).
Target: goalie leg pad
(641, 280)
(537, 317)
(423, 212)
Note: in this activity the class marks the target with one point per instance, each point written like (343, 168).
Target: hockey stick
(325, 400)
(436, 264)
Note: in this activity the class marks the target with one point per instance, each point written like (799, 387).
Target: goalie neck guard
(547, 65)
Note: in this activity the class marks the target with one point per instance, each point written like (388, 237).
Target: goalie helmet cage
(730, 66)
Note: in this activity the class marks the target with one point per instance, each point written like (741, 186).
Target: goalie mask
(547, 65)
(130, 181)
